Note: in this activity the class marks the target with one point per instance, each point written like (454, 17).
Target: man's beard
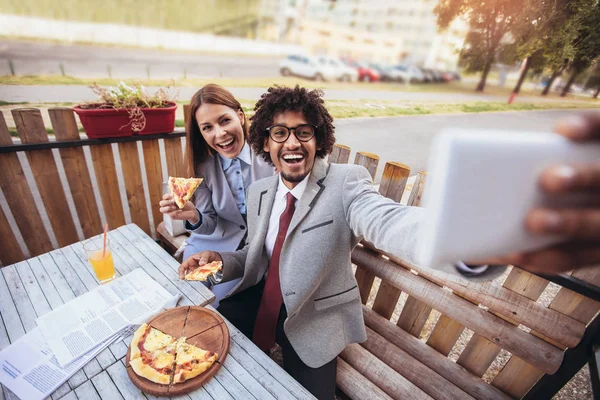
(294, 178)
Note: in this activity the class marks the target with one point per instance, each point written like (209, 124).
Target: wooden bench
(429, 334)
(496, 330)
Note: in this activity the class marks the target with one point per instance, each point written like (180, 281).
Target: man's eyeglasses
(281, 133)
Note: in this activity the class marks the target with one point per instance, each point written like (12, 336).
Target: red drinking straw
(104, 248)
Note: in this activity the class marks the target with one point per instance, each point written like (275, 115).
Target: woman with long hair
(217, 151)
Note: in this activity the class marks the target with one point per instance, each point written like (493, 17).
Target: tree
(593, 81)
(544, 32)
(587, 45)
(489, 20)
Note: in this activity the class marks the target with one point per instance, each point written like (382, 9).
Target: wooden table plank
(80, 266)
(232, 385)
(216, 390)
(105, 387)
(198, 394)
(131, 231)
(156, 268)
(87, 391)
(37, 297)
(66, 292)
(258, 372)
(45, 283)
(195, 291)
(119, 376)
(9, 395)
(41, 307)
(61, 391)
(20, 298)
(8, 311)
(244, 377)
(69, 396)
(297, 390)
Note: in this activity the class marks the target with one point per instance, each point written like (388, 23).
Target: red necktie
(270, 303)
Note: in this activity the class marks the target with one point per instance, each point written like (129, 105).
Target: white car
(410, 73)
(335, 68)
(304, 66)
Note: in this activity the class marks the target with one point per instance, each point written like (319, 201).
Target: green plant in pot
(128, 110)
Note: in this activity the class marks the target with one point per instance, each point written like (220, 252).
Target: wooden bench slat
(134, 186)
(45, 172)
(108, 185)
(509, 304)
(395, 384)
(517, 376)
(11, 251)
(445, 335)
(19, 198)
(340, 154)
(534, 350)
(417, 190)
(414, 316)
(363, 278)
(478, 355)
(154, 177)
(355, 385)
(412, 369)
(576, 306)
(73, 159)
(393, 182)
(174, 156)
(430, 358)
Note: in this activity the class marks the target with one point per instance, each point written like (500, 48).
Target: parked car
(408, 73)
(365, 74)
(336, 68)
(306, 67)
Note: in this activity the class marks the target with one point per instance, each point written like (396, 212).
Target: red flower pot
(108, 122)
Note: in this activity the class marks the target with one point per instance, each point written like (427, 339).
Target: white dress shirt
(278, 208)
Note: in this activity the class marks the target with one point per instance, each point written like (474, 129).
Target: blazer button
(242, 227)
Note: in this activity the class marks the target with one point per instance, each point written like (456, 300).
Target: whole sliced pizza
(183, 189)
(161, 358)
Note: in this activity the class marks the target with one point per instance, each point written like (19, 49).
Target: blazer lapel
(311, 194)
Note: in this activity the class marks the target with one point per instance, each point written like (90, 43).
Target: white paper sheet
(81, 324)
(31, 371)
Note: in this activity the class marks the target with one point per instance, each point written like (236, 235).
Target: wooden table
(34, 287)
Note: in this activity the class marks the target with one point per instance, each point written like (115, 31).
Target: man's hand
(196, 260)
(188, 212)
(580, 225)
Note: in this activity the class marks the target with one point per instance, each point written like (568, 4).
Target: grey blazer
(223, 226)
(339, 208)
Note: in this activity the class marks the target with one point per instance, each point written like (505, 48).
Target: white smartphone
(480, 186)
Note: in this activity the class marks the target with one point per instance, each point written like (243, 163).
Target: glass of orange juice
(101, 259)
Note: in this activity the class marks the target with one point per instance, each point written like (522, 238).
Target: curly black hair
(279, 99)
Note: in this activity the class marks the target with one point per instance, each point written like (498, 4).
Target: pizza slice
(157, 366)
(191, 361)
(148, 340)
(204, 271)
(183, 189)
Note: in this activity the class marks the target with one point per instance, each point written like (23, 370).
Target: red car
(365, 74)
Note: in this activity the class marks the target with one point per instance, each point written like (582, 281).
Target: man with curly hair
(297, 286)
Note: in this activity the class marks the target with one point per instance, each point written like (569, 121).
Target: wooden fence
(498, 330)
(76, 184)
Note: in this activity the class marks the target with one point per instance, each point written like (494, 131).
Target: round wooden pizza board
(202, 328)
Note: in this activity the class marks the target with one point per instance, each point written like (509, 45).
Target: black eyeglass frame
(290, 132)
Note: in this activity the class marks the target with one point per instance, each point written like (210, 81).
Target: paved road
(94, 62)
(76, 93)
(407, 139)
